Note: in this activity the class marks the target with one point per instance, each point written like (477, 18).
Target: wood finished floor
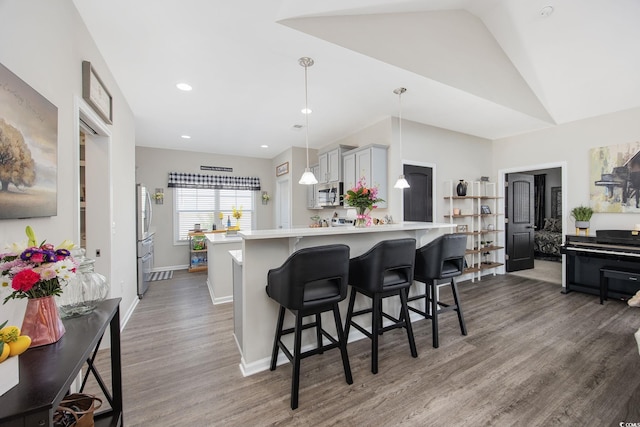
(533, 357)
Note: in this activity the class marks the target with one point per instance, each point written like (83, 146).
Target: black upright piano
(586, 255)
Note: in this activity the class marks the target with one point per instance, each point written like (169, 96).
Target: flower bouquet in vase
(38, 273)
(363, 199)
(237, 214)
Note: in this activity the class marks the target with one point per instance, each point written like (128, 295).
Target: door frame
(502, 173)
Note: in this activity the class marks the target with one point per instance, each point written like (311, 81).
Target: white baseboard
(125, 319)
(170, 268)
(218, 300)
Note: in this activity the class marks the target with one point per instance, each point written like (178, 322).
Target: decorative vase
(461, 188)
(82, 294)
(361, 217)
(42, 321)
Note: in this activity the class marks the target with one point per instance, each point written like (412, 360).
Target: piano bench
(619, 273)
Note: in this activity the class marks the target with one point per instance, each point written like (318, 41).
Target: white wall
(571, 143)
(44, 43)
(455, 156)
(152, 169)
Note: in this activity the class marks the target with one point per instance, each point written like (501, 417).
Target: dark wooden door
(520, 222)
(418, 198)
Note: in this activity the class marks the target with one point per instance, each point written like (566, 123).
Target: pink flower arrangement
(36, 271)
(362, 198)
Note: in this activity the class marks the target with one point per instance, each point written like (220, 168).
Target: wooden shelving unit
(481, 226)
(197, 251)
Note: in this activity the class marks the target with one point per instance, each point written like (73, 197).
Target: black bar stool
(441, 259)
(310, 282)
(385, 270)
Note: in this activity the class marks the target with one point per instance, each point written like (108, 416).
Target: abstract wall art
(615, 178)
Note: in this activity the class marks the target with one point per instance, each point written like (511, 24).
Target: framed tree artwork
(28, 150)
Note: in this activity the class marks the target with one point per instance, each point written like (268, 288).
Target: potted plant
(582, 216)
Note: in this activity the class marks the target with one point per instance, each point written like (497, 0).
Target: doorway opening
(93, 220)
(547, 223)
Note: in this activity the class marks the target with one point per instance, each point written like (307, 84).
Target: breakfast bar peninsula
(255, 314)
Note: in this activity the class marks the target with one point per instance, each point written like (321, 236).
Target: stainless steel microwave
(329, 194)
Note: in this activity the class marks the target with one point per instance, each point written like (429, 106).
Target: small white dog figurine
(634, 301)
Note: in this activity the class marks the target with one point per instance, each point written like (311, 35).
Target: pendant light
(401, 183)
(308, 178)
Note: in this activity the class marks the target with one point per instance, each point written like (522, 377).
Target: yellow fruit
(19, 346)
(4, 352)
(9, 333)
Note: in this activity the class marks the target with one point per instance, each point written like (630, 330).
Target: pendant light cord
(306, 113)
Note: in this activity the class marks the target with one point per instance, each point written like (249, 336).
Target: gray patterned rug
(161, 275)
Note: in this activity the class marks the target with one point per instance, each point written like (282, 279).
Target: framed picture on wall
(282, 169)
(96, 94)
(461, 228)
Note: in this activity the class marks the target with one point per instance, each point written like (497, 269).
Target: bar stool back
(310, 282)
(385, 270)
(440, 259)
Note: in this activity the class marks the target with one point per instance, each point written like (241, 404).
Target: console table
(46, 372)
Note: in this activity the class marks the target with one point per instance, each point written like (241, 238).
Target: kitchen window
(203, 206)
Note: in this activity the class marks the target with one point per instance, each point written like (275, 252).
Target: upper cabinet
(330, 167)
(312, 190)
(368, 162)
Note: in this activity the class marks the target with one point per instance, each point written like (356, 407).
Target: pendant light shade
(307, 178)
(401, 183)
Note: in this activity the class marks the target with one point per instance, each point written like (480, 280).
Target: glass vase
(42, 321)
(361, 217)
(82, 294)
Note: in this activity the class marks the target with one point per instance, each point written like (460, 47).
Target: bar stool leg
(375, 321)
(434, 313)
(407, 322)
(276, 345)
(319, 332)
(343, 345)
(347, 326)
(454, 289)
(297, 344)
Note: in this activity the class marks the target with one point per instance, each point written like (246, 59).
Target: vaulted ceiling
(490, 68)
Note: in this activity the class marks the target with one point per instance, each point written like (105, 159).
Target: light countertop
(219, 238)
(326, 231)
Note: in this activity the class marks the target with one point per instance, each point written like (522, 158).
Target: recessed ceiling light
(546, 11)
(184, 86)
(264, 146)
(185, 136)
(306, 111)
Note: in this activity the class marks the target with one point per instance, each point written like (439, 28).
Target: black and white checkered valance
(196, 180)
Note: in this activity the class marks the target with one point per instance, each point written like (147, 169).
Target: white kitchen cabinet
(368, 162)
(330, 164)
(349, 170)
(312, 190)
(323, 168)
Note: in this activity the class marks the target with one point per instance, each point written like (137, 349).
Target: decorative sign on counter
(215, 168)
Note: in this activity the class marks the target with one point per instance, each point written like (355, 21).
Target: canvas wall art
(615, 178)
(28, 150)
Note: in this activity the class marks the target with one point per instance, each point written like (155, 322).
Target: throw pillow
(550, 224)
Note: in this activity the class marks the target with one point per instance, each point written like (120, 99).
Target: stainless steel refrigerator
(144, 239)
